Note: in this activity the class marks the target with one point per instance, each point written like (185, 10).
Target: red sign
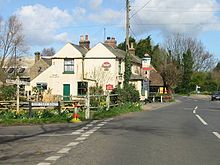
(109, 87)
(147, 68)
(106, 65)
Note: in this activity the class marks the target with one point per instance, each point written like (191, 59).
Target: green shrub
(99, 100)
(7, 93)
(126, 94)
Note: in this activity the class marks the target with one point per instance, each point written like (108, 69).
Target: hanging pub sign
(106, 66)
(146, 62)
(109, 87)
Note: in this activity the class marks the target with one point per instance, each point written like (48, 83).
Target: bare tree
(178, 44)
(48, 52)
(167, 68)
(102, 77)
(12, 43)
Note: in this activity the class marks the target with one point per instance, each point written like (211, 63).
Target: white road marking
(196, 107)
(94, 121)
(203, 121)
(90, 131)
(75, 133)
(72, 144)
(64, 150)
(43, 163)
(100, 125)
(104, 122)
(85, 135)
(51, 135)
(81, 138)
(216, 134)
(85, 127)
(109, 119)
(54, 158)
(194, 111)
(95, 128)
(89, 125)
(6, 135)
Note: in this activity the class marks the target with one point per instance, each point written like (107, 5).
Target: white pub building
(75, 68)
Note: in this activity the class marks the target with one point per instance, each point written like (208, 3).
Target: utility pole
(127, 73)
(127, 24)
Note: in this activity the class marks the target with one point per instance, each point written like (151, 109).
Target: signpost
(18, 83)
(43, 104)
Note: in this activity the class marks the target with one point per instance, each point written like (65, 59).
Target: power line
(141, 8)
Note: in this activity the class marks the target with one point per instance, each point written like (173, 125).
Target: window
(119, 67)
(82, 88)
(42, 86)
(21, 70)
(69, 66)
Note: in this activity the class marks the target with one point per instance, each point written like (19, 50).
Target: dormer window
(68, 66)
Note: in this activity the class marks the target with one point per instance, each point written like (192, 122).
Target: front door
(66, 92)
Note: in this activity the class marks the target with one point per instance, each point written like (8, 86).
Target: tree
(216, 76)
(101, 76)
(127, 73)
(144, 46)
(178, 44)
(122, 45)
(166, 67)
(48, 52)
(12, 43)
(187, 71)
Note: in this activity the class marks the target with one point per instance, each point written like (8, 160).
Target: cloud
(189, 17)
(107, 16)
(41, 23)
(95, 3)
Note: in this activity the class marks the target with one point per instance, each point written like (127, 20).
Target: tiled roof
(80, 49)
(136, 77)
(155, 78)
(48, 61)
(121, 54)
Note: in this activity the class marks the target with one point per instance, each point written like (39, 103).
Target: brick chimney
(84, 42)
(132, 49)
(111, 42)
(37, 56)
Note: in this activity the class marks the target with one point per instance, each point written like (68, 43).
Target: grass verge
(121, 109)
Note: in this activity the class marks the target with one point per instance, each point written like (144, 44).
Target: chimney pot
(87, 37)
(108, 38)
(81, 38)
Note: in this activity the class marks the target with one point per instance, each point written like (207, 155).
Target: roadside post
(87, 111)
(17, 94)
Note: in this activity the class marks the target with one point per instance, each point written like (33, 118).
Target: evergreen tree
(187, 71)
(127, 73)
(122, 45)
(144, 46)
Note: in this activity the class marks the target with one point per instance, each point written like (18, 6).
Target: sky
(53, 23)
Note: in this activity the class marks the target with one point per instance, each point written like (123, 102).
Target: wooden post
(87, 112)
(59, 108)
(30, 110)
(108, 101)
(17, 94)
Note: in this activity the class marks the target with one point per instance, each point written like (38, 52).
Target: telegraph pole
(127, 73)
(127, 24)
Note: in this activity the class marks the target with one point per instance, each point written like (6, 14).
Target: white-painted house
(74, 69)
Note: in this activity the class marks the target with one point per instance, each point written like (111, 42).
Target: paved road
(185, 133)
